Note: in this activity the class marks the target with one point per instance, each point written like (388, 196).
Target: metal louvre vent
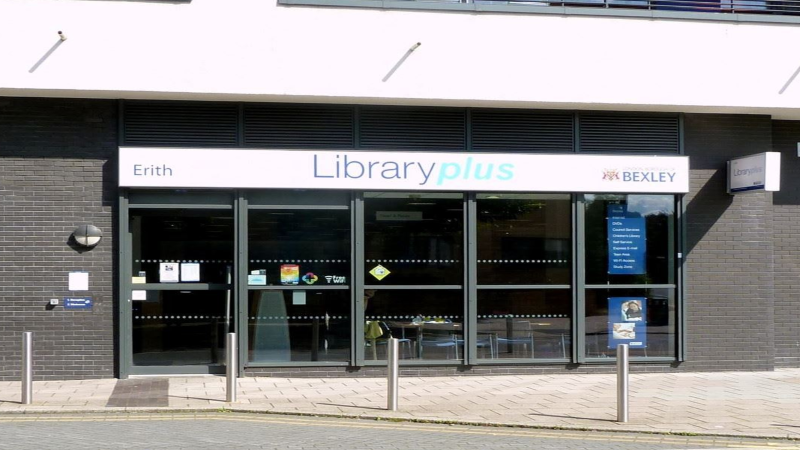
(299, 126)
(617, 133)
(413, 128)
(181, 124)
(522, 131)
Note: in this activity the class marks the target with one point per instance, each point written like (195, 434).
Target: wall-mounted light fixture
(87, 235)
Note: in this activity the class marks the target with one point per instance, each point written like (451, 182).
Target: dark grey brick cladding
(730, 295)
(56, 172)
(786, 219)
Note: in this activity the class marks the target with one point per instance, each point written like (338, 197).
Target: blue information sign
(626, 242)
(77, 303)
(627, 321)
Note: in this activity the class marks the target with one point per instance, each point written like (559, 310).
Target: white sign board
(405, 171)
(761, 172)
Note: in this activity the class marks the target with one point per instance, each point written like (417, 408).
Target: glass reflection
(610, 320)
(428, 323)
(298, 325)
(524, 324)
(524, 238)
(414, 238)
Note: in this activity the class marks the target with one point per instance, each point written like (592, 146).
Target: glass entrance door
(181, 291)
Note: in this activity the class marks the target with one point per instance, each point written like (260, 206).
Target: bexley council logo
(648, 175)
(611, 174)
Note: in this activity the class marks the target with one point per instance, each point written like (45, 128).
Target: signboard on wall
(755, 173)
(626, 242)
(407, 171)
(627, 321)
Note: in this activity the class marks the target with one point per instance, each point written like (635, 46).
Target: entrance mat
(140, 392)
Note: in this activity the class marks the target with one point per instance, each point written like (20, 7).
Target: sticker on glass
(379, 272)
(290, 274)
(335, 279)
(310, 278)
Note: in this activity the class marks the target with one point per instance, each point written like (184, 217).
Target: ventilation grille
(298, 126)
(628, 133)
(181, 124)
(413, 129)
(522, 131)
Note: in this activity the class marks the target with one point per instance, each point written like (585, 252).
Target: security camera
(62, 36)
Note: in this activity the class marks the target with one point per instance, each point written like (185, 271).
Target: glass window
(299, 325)
(642, 318)
(296, 197)
(630, 239)
(180, 328)
(414, 238)
(524, 324)
(299, 247)
(428, 323)
(182, 236)
(524, 239)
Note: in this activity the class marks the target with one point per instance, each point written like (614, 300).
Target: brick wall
(56, 172)
(786, 219)
(730, 295)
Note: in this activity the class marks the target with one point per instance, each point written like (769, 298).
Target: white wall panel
(259, 51)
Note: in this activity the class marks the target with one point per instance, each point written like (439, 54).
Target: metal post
(231, 368)
(393, 372)
(27, 368)
(622, 383)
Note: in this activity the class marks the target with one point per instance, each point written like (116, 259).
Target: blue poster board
(77, 303)
(626, 242)
(627, 322)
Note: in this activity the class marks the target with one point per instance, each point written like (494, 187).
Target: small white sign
(139, 295)
(755, 173)
(79, 281)
(398, 216)
(299, 298)
(168, 273)
(190, 272)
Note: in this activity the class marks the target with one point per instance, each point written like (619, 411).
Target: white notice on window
(190, 272)
(79, 281)
(139, 295)
(298, 298)
(168, 273)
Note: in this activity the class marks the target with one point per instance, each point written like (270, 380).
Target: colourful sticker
(290, 274)
(379, 272)
(310, 278)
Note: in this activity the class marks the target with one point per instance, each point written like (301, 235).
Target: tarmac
(753, 404)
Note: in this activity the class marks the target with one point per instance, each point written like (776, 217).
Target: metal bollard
(622, 383)
(231, 367)
(393, 372)
(27, 368)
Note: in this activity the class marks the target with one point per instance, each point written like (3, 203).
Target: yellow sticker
(379, 272)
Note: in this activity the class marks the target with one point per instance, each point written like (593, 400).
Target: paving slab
(763, 404)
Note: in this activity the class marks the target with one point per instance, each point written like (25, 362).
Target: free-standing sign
(627, 321)
(77, 303)
(626, 242)
(761, 172)
(316, 169)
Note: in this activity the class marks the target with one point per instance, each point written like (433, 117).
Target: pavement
(752, 404)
